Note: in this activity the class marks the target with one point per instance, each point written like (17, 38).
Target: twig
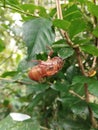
(92, 119)
(87, 96)
(68, 39)
(94, 62)
(69, 42)
(77, 50)
(22, 82)
(77, 95)
(59, 15)
(15, 81)
(44, 128)
(16, 9)
(59, 10)
(94, 1)
(96, 40)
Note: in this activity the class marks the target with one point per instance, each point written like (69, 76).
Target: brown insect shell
(36, 73)
(46, 68)
(55, 64)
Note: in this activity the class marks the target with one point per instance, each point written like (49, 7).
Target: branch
(77, 95)
(96, 40)
(68, 39)
(16, 81)
(87, 98)
(16, 9)
(94, 62)
(22, 82)
(77, 50)
(59, 10)
(69, 42)
(44, 128)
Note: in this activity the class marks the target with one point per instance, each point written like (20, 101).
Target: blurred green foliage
(27, 27)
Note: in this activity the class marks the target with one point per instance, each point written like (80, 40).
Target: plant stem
(69, 42)
(16, 9)
(15, 81)
(77, 50)
(77, 95)
(96, 40)
(44, 128)
(92, 119)
(59, 10)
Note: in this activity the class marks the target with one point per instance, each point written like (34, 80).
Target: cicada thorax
(58, 63)
(55, 64)
(46, 68)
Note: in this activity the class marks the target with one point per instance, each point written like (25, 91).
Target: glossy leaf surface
(38, 34)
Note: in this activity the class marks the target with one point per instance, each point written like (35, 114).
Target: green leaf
(72, 13)
(60, 44)
(60, 86)
(94, 108)
(30, 8)
(78, 88)
(93, 9)
(38, 87)
(76, 123)
(9, 124)
(9, 73)
(82, 1)
(79, 79)
(95, 32)
(71, 72)
(92, 83)
(93, 87)
(52, 12)
(90, 49)
(70, 100)
(80, 108)
(76, 27)
(37, 98)
(78, 84)
(14, 2)
(38, 34)
(81, 41)
(62, 24)
(24, 65)
(2, 46)
(65, 52)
